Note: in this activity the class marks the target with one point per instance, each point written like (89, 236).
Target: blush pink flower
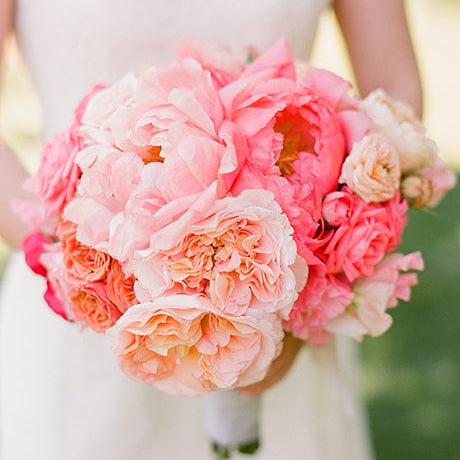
(108, 179)
(181, 345)
(92, 307)
(371, 169)
(241, 254)
(223, 65)
(203, 170)
(375, 294)
(441, 180)
(361, 241)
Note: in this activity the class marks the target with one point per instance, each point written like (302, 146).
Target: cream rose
(397, 122)
(372, 169)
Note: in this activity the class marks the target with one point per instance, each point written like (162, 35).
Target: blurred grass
(412, 373)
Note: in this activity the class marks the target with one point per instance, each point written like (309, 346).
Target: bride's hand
(278, 369)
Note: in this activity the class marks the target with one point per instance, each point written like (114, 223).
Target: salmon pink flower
(182, 345)
(92, 307)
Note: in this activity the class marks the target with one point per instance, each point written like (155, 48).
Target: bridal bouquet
(197, 211)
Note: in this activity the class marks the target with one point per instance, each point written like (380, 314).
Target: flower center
(297, 137)
(154, 155)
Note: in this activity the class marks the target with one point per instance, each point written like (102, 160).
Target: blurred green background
(411, 375)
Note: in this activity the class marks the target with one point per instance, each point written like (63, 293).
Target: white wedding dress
(62, 395)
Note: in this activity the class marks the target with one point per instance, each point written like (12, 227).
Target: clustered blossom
(197, 211)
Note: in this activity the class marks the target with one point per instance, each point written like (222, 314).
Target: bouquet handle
(232, 422)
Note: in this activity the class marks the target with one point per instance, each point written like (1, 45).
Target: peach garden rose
(183, 345)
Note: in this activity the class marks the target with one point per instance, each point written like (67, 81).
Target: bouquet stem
(232, 422)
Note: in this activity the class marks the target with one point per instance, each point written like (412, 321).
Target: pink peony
(241, 254)
(223, 66)
(108, 178)
(203, 170)
(362, 240)
(376, 294)
(182, 345)
(371, 169)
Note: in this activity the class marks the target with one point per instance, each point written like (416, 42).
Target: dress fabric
(62, 395)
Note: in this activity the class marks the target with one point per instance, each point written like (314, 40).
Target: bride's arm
(380, 48)
(12, 173)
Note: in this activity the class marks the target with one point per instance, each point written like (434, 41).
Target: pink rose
(376, 294)
(360, 242)
(241, 254)
(181, 345)
(57, 176)
(324, 298)
(371, 169)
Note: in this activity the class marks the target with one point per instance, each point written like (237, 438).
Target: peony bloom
(362, 240)
(371, 169)
(82, 263)
(223, 66)
(182, 345)
(108, 178)
(398, 124)
(377, 293)
(92, 307)
(241, 254)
